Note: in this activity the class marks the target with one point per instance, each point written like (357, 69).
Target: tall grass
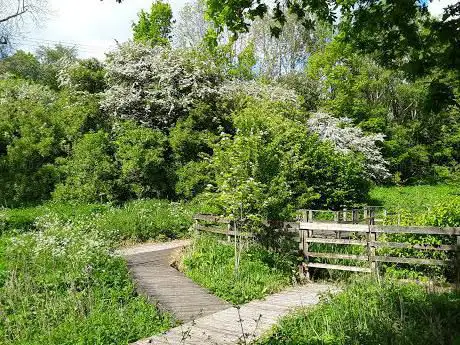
(135, 221)
(61, 285)
(373, 313)
(212, 264)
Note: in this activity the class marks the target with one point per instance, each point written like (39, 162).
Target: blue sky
(95, 25)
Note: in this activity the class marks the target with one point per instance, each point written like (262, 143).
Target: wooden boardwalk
(150, 267)
(240, 326)
(208, 320)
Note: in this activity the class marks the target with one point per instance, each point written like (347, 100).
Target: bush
(37, 126)
(274, 165)
(91, 173)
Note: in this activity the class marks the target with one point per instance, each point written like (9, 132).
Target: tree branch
(17, 14)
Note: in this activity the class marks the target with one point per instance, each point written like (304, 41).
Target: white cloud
(436, 7)
(92, 25)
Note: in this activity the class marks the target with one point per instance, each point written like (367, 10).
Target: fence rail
(356, 227)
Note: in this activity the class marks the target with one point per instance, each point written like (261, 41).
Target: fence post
(310, 216)
(372, 237)
(336, 216)
(457, 264)
(195, 226)
(355, 216)
(344, 215)
(304, 274)
(366, 213)
(229, 229)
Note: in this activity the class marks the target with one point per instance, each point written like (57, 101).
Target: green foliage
(19, 220)
(154, 27)
(141, 155)
(128, 163)
(369, 312)
(135, 221)
(144, 220)
(37, 126)
(384, 101)
(90, 171)
(83, 75)
(70, 289)
(21, 65)
(211, 264)
(273, 166)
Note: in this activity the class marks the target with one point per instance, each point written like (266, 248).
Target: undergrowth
(211, 264)
(135, 221)
(59, 282)
(373, 313)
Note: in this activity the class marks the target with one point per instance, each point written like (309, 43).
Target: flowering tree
(157, 85)
(347, 138)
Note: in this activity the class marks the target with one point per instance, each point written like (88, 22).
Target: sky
(93, 25)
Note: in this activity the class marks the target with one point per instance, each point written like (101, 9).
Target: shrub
(274, 165)
(141, 156)
(156, 86)
(90, 171)
(37, 126)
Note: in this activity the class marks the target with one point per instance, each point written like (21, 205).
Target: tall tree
(14, 14)
(155, 26)
(191, 26)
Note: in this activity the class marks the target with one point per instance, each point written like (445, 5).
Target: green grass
(372, 313)
(211, 264)
(59, 282)
(60, 285)
(414, 198)
(135, 221)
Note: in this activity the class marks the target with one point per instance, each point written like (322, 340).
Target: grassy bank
(61, 285)
(373, 313)
(414, 198)
(211, 264)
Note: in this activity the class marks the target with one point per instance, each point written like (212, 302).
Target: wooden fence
(357, 227)
(365, 232)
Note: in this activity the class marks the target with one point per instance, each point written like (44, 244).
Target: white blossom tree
(157, 85)
(348, 138)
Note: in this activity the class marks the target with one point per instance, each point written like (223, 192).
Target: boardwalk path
(211, 321)
(150, 266)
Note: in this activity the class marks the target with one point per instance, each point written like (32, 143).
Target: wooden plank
(211, 218)
(339, 267)
(441, 247)
(337, 241)
(390, 229)
(338, 256)
(213, 229)
(334, 227)
(421, 230)
(414, 261)
(223, 231)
